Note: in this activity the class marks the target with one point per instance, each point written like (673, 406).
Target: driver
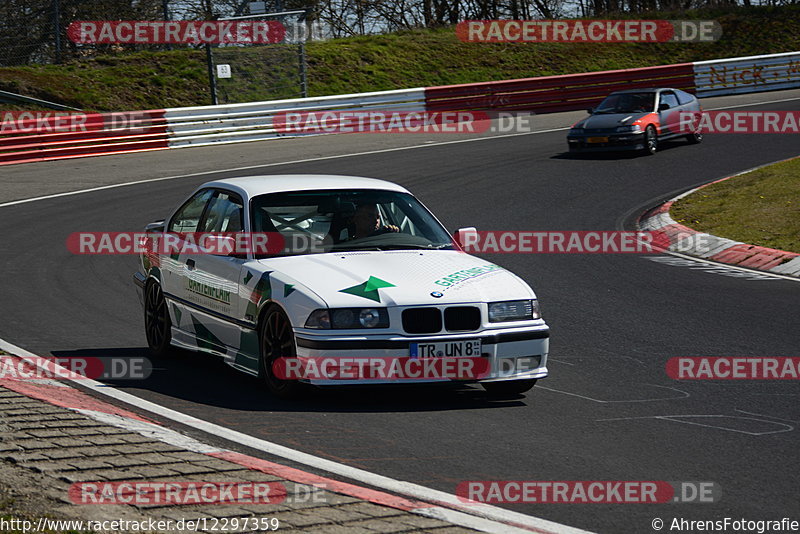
(366, 222)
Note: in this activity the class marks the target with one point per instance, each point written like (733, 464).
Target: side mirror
(663, 107)
(466, 238)
(590, 111)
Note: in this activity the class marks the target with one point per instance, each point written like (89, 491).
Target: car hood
(401, 278)
(609, 120)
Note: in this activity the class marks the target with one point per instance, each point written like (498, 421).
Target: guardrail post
(57, 28)
(302, 58)
(212, 78)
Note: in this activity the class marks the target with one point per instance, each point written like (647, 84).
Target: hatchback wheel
(650, 140)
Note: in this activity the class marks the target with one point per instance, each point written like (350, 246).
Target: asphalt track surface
(615, 320)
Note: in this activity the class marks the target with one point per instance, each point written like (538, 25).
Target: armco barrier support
(237, 123)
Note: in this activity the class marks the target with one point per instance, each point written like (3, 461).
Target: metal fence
(247, 72)
(35, 31)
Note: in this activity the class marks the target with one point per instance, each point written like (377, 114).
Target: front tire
(695, 138)
(276, 340)
(509, 388)
(157, 324)
(650, 140)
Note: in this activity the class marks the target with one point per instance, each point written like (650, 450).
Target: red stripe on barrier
(31, 156)
(146, 130)
(29, 142)
(549, 94)
(585, 78)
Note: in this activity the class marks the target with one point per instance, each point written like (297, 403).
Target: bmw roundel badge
(436, 294)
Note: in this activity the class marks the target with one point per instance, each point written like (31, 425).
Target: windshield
(627, 103)
(348, 220)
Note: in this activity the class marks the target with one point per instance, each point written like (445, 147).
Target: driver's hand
(391, 228)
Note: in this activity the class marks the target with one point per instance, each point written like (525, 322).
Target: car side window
(224, 213)
(684, 97)
(188, 217)
(670, 99)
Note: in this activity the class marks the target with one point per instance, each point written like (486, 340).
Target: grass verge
(760, 208)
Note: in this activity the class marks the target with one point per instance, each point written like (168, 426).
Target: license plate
(597, 140)
(446, 349)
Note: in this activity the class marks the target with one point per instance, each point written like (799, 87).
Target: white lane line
(478, 512)
(275, 164)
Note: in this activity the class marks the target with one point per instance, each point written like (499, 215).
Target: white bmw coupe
(350, 269)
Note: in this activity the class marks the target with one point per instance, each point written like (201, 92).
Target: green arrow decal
(369, 289)
(262, 292)
(288, 289)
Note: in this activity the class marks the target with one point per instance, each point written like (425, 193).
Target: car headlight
(633, 128)
(348, 318)
(514, 310)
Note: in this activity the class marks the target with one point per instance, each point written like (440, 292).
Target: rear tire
(157, 324)
(510, 388)
(650, 140)
(276, 340)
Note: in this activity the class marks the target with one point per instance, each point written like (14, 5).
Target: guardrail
(238, 123)
(747, 74)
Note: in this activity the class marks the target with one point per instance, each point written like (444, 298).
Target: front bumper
(510, 354)
(616, 142)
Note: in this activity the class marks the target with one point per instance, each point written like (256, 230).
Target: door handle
(190, 263)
